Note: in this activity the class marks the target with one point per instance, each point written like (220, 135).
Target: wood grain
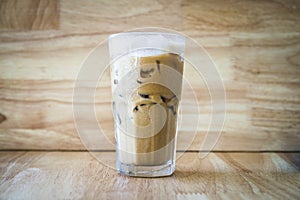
(241, 16)
(181, 15)
(255, 45)
(113, 16)
(264, 111)
(24, 122)
(256, 51)
(29, 15)
(61, 175)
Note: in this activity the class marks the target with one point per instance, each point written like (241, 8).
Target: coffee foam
(141, 43)
(146, 52)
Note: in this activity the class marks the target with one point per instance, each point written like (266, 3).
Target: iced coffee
(146, 86)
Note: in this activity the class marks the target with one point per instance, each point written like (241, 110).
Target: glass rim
(136, 33)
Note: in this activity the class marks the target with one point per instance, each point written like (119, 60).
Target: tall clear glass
(146, 75)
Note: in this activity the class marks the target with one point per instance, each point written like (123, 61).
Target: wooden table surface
(256, 47)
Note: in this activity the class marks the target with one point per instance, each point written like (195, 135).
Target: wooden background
(255, 45)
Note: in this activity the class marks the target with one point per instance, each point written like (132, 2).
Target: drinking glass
(146, 77)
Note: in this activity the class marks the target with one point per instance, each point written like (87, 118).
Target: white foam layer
(123, 43)
(146, 52)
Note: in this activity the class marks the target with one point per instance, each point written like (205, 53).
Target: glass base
(146, 171)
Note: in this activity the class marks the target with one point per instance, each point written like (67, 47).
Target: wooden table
(255, 45)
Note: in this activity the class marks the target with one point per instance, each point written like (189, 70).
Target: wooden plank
(116, 16)
(189, 15)
(61, 175)
(29, 15)
(32, 110)
(57, 57)
(241, 16)
(270, 68)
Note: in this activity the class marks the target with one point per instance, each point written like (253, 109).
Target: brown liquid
(152, 94)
